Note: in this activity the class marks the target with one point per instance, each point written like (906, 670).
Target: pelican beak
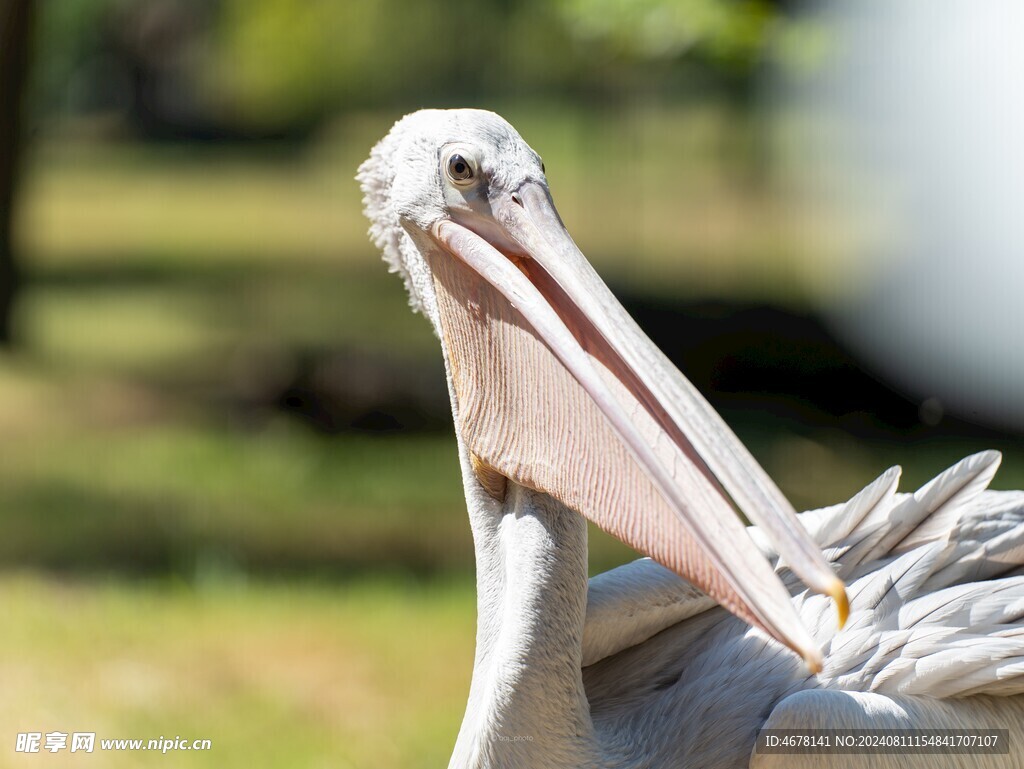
(559, 390)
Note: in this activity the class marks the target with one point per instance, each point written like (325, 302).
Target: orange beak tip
(838, 594)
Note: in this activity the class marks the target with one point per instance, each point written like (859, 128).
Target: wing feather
(936, 581)
(863, 710)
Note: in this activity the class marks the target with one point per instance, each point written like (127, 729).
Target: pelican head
(438, 165)
(555, 388)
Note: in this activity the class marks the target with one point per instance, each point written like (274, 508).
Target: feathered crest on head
(376, 178)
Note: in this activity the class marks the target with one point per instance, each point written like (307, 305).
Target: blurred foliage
(293, 60)
(70, 52)
(733, 33)
(281, 66)
(176, 291)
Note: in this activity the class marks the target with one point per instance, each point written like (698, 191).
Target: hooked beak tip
(837, 591)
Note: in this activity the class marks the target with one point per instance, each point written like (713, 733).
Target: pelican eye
(460, 170)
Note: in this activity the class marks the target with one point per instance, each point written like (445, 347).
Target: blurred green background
(229, 497)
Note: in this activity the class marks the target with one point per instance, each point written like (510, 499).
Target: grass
(96, 478)
(677, 190)
(274, 674)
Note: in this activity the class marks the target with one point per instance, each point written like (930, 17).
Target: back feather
(936, 586)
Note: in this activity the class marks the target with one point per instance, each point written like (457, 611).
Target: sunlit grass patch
(180, 497)
(112, 327)
(129, 204)
(665, 199)
(180, 321)
(280, 674)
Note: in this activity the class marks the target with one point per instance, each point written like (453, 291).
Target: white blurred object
(925, 105)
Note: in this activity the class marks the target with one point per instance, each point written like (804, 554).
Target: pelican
(564, 412)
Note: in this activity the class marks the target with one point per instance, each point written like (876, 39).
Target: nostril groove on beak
(517, 200)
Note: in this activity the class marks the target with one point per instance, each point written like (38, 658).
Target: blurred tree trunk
(15, 26)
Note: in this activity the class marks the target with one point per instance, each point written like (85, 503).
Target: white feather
(921, 626)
